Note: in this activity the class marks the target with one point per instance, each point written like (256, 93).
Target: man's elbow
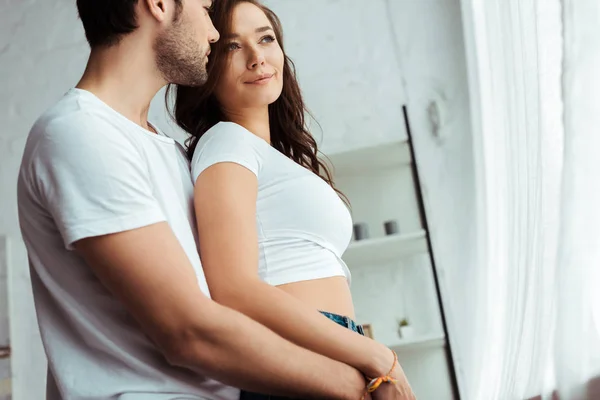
(181, 349)
(191, 345)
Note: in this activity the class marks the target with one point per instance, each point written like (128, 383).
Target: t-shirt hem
(205, 163)
(107, 226)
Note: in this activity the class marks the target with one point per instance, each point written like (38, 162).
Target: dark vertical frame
(424, 223)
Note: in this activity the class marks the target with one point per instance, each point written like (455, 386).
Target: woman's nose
(256, 60)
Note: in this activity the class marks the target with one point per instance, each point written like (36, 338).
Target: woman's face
(253, 75)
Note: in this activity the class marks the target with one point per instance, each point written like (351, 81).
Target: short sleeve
(92, 179)
(228, 142)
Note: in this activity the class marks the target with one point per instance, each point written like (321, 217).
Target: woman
(271, 226)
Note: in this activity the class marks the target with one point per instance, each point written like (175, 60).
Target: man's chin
(196, 81)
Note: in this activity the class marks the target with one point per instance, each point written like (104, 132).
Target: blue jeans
(340, 320)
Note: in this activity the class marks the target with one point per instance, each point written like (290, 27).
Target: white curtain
(534, 76)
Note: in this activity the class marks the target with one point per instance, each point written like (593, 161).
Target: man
(106, 213)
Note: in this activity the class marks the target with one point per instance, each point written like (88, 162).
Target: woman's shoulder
(229, 138)
(229, 132)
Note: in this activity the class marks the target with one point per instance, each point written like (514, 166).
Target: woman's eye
(232, 46)
(267, 39)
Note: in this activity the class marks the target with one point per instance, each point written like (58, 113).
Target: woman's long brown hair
(196, 109)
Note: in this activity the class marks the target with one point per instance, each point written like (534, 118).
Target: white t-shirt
(89, 171)
(303, 226)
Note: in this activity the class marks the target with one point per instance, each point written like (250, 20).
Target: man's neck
(125, 78)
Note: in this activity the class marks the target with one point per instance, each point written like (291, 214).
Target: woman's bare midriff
(327, 294)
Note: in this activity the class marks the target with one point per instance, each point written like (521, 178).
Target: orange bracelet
(374, 384)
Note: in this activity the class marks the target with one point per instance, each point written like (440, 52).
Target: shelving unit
(393, 275)
(381, 156)
(370, 172)
(422, 342)
(385, 248)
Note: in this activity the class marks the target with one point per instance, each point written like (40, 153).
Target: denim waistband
(344, 321)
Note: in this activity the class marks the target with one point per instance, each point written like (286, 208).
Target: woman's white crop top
(303, 226)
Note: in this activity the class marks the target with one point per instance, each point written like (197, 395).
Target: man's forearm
(238, 351)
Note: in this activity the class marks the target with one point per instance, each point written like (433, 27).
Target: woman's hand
(400, 390)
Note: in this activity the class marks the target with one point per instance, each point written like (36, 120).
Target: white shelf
(385, 248)
(419, 343)
(387, 155)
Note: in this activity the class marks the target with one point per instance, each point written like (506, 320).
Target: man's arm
(148, 271)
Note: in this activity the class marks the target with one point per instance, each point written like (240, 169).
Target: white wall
(433, 62)
(356, 73)
(42, 51)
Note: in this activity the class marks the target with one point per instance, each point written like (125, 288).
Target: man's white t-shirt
(89, 171)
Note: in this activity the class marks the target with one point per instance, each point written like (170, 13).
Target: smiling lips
(261, 79)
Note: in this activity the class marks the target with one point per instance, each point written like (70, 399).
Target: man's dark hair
(106, 21)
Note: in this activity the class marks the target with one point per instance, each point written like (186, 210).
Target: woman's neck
(255, 120)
